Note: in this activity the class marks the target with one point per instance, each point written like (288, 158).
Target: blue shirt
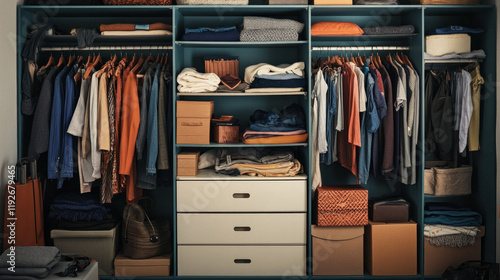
(152, 140)
(56, 117)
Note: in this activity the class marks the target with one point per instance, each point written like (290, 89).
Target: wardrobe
(200, 203)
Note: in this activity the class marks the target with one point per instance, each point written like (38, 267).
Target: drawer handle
(242, 261)
(241, 195)
(242, 228)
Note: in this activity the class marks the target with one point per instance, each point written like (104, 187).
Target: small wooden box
(187, 163)
(225, 134)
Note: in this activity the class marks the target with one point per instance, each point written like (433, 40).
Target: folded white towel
(190, 80)
(268, 69)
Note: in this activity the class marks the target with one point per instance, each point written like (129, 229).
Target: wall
(8, 117)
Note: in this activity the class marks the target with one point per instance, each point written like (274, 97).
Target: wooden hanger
(138, 65)
(71, 60)
(389, 58)
(407, 59)
(398, 58)
(61, 61)
(97, 60)
(51, 62)
(166, 60)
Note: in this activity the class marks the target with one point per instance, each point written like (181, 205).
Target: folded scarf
(268, 35)
(226, 36)
(268, 69)
(190, 80)
(271, 23)
(31, 261)
(230, 81)
(389, 30)
(452, 218)
(131, 27)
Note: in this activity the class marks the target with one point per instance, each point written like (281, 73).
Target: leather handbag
(144, 237)
(473, 270)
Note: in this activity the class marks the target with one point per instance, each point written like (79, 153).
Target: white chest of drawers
(241, 226)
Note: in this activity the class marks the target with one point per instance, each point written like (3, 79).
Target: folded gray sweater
(271, 23)
(268, 35)
(389, 30)
(30, 262)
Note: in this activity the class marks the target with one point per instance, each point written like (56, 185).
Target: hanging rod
(105, 48)
(362, 48)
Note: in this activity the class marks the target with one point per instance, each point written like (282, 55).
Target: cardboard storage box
(156, 266)
(389, 212)
(341, 206)
(100, 245)
(193, 121)
(391, 248)
(337, 250)
(437, 259)
(187, 163)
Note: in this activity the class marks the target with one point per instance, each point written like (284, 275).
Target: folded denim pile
(264, 77)
(190, 80)
(226, 33)
(288, 126)
(80, 212)
(449, 225)
(265, 162)
(263, 29)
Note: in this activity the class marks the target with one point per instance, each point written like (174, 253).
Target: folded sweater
(272, 23)
(268, 35)
(268, 69)
(31, 261)
(190, 80)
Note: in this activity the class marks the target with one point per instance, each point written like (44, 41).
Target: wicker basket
(341, 206)
(212, 2)
(447, 181)
(137, 2)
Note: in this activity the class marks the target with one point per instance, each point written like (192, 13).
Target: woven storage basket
(137, 2)
(341, 206)
(438, 45)
(212, 2)
(447, 181)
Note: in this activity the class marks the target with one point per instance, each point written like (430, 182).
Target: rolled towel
(190, 80)
(268, 35)
(389, 30)
(31, 261)
(268, 69)
(271, 23)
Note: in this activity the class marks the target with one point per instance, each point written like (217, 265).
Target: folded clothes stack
(31, 262)
(449, 225)
(80, 212)
(190, 80)
(228, 33)
(263, 29)
(389, 30)
(264, 162)
(125, 29)
(270, 128)
(264, 77)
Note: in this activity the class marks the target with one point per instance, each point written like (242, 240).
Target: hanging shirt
(387, 124)
(321, 95)
(330, 113)
(162, 162)
(103, 133)
(395, 85)
(369, 124)
(464, 99)
(381, 108)
(56, 117)
(415, 128)
(144, 103)
(152, 154)
(315, 164)
(340, 101)
(477, 81)
(361, 88)
(95, 152)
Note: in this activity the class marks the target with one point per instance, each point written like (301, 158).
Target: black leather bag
(473, 270)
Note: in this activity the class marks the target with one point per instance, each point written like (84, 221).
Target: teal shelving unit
(190, 54)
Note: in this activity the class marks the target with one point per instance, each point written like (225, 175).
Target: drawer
(241, 260)
(241, 228)
(242, 196)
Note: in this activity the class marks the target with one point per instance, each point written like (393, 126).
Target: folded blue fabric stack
(226, 33)
(450, 215)
(78, 207)
(279, 81)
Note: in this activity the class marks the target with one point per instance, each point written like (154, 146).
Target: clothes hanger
(61, 60)
(97, 60)
(71, 60)
(138, 65)
(408, 60)
(50, 62)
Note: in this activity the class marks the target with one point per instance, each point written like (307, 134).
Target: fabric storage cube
(101, 245)
(337, 250)
(187, 163)
(389, 211)
(391, 248)
(193, 121)
(341, 206)
(156, 266)
(437, 45)
(438, 258)
(442, 180)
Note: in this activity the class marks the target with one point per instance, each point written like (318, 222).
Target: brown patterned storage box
(341, 206)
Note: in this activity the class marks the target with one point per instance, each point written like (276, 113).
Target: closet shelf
(238, 145)
(451, 61)
(367, 276)
(209, 174)
(240, 94)
(70, 40)
(362, 37)
(239, 44)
